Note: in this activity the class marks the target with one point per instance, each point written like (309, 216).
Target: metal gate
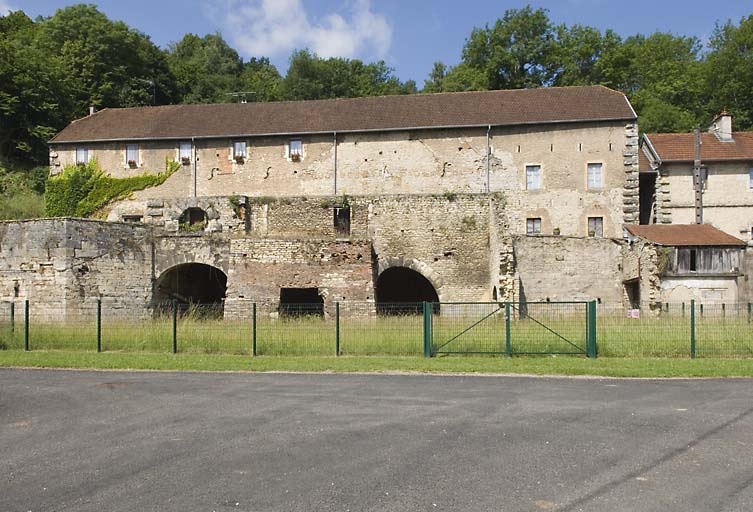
(511, 328)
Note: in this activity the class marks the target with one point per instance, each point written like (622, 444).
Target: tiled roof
(679, 147)
(678, 235)
(496, 108)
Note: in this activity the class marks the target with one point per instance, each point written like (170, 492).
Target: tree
(311, 77)
(206, 69)
(728, 73)
(516, 52)
(261, 79)
(578, 52)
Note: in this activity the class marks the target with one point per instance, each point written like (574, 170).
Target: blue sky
(409, 35)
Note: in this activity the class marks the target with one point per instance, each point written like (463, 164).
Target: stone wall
(559, 268)
(62, 266)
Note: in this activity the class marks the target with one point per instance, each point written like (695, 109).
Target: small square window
(533, 226)
(533, 177)
(133, 218)
(82, 155)
(295, 150)
(132, 155)
(239, 149)
(595, 177)
(596, 227)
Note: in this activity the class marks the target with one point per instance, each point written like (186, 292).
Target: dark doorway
(295, 302)
(401, 291)
(633, 291)
(647, 194)
(194, 286)
(342, 221)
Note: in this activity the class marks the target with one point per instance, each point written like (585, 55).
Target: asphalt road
(143, 441)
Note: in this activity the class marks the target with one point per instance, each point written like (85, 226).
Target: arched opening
(193, 219)
(196, 287)
(298, 302)
(401, 291)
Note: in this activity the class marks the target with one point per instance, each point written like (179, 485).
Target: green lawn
(543, 365)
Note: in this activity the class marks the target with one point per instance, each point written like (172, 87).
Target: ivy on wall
(81, 190)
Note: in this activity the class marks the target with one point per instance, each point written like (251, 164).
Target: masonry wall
(62, 266)
(569, 268)
(727, 198)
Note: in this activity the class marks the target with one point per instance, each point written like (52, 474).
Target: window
(133, 218)
(533, 226)
(82, 155)
(750, 177)
(295, 150)
(595, 177)
(184, 152)
(132, 155)
(533, 177)
(596, 226)
(239, 150)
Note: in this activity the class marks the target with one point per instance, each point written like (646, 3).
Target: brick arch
(416, 265)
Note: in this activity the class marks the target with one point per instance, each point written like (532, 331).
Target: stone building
(476, 196)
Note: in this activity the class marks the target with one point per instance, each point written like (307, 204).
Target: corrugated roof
(679, 147)
(382, 113)
(679, 235)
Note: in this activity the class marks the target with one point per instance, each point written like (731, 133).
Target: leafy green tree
(207, 69)
(311, 77)
(516, 52)
(728, 73)
(261, 79)
(578, 53)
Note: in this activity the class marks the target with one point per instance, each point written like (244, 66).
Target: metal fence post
(13, 318)
(253, 329)
(508, 330)
(591, 348)
(337, 328)
(692, 329)
(750, 311)
(99, 325)
(26, 325)
(427, 329)
(175, 326)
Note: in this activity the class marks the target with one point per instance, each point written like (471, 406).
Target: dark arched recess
(401, 290)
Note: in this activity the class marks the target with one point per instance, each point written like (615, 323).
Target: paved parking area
(142, 441)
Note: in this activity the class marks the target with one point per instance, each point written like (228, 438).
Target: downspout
(193, 147)
(488, 157)
(335, 159)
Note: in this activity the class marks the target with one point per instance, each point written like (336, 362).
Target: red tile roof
(382, 113)
(679, 235)
(679, 147)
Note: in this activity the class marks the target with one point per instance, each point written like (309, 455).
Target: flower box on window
(132, 163)
(185, 160)
(239, 159)
(295, 157)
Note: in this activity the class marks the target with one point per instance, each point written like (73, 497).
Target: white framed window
(595, 176)
(132, 155)
(295, 149)
(184, 152)
(533, 226)
(596, 227)
(750, 178)
(82, 155)
(533, 177)
(239, 149)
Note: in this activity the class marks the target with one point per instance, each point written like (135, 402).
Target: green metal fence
(575, 328)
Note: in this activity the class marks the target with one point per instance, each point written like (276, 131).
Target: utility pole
(698, 177)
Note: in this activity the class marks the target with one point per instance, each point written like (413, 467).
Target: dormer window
(295, 150)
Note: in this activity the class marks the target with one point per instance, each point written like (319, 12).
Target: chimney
(92, 110)
(722, 127)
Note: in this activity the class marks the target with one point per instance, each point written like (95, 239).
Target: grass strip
(571, 366)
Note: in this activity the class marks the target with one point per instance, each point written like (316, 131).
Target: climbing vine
(81, 190)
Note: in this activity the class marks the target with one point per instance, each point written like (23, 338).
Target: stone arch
(192, 284)
(407, 283)
(193, 219)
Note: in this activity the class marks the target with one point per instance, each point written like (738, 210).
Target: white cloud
(274, 28)
(5, 8)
